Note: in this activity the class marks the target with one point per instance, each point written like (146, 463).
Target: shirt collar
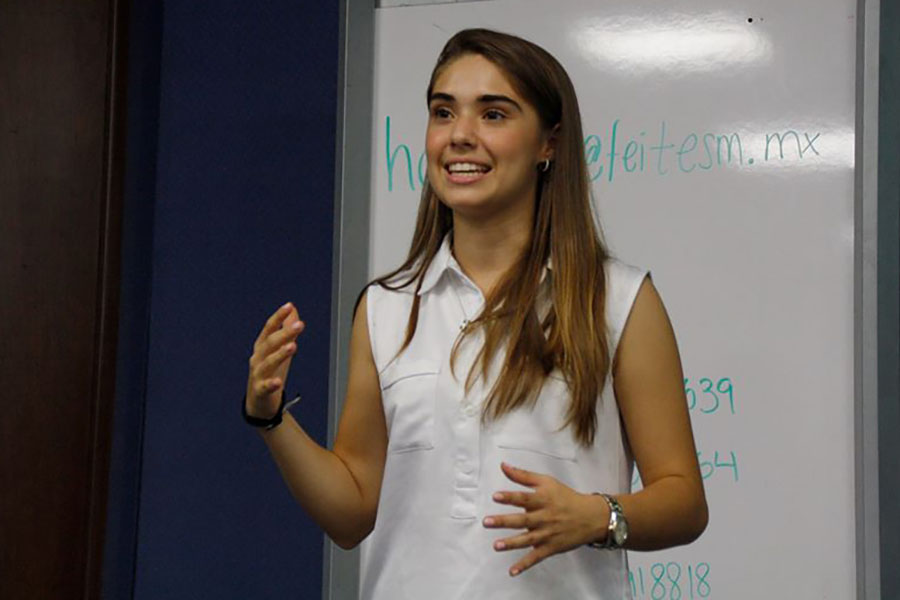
(444, 261)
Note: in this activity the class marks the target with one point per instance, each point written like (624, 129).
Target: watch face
(620, 533)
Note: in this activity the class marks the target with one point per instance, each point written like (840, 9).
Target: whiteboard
(752, 252)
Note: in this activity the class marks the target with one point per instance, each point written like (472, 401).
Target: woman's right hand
(272, 352)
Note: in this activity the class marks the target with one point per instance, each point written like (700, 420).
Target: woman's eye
(440, 112)
(494, 115)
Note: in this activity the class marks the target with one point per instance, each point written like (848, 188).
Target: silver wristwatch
(617, 531)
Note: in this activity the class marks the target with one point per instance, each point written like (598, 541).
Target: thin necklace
(466, 320)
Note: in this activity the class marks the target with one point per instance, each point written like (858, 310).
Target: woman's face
(483, 142)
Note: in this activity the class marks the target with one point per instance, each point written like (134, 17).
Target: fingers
(275, 344)
(276, 339)
(539, 539)
(532, 558)
(525, 520)
(282, 319)
(527, 500)
(266, 386)
(523, 540)
(275, 321)
(533, 521)
(521, 476)
(540, 519)
(268, 365)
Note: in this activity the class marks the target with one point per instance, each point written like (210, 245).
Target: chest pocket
(540, 429)
(408, 392)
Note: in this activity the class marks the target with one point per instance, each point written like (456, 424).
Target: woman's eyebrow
(492, 98)
(483, 99)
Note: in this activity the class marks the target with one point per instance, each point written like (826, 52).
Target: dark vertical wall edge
(107, 292)
(143, 43)
(889, 296)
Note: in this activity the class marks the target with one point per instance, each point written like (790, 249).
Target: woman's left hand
(556, 517)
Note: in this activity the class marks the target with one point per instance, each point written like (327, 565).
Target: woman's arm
(339, 489)
(671, 508)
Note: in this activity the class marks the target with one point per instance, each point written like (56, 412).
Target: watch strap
(616, 514)
(273, 421)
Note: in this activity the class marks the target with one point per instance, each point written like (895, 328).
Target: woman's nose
(463, 133)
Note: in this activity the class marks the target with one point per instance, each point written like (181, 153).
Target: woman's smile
(466, 171)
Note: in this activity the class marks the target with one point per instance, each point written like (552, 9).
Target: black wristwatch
(273, 421)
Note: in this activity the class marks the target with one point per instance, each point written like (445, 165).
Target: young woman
(503, 380)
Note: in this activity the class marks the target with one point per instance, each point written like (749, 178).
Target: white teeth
(467, 168)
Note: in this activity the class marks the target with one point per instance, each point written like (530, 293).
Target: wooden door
(61, 102)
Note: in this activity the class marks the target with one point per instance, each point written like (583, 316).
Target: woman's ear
(549, 147)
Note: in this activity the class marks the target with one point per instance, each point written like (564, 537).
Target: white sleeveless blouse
(443, 465)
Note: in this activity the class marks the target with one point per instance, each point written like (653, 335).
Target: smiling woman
(483, 141)
(507, 337)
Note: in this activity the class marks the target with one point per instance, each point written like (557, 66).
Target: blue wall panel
(242, 222)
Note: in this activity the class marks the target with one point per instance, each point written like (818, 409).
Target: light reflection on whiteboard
(672, 41)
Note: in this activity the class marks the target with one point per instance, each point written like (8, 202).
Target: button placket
(467, 424)
(466, 430)
(471, 301)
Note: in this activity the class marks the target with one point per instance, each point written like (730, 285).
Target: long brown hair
(572, 336)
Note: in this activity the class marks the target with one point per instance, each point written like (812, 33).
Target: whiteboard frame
(865, 367)
(350, 272)
(350, 242)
